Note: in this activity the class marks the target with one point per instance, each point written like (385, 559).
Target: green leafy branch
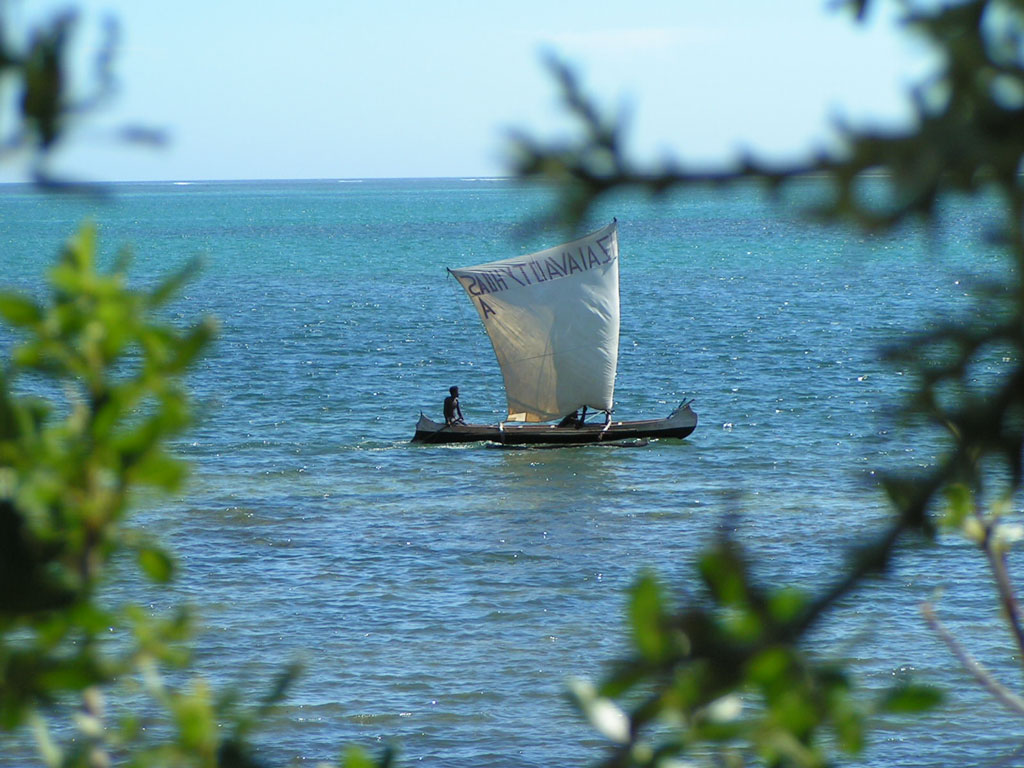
(727, 672)
(71, 467)
(967, 138)
(67, 476)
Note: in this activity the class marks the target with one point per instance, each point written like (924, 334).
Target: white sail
(553, 319)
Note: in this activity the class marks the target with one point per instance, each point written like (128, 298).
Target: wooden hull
(679, 424)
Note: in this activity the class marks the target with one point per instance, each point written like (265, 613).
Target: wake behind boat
(553, 320)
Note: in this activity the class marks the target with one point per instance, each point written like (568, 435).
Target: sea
(441, 598)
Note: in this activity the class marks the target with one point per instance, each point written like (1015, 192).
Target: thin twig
(997, 561)
(1004, 695)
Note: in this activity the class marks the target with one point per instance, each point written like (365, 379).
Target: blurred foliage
(68, 474)
(726, 674)
(91, 393)
(35, 66)
(745, 645)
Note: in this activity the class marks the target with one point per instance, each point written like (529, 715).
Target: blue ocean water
(440, 597)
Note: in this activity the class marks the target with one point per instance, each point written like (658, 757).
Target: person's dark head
(454, 391)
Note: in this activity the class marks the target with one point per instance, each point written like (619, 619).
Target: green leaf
(786, 604)
(603, 713)
(80, 251)
(959, 504)
(159, 470)
(172, 284)
(725, 573)
(282, 683)
(192, 344)
(19, 311)
(356, 757)
(156, 564)
(910, 697)
(771, 668)
(646, 612)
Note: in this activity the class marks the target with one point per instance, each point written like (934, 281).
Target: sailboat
(553, 320)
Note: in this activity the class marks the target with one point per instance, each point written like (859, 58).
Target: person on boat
(452, 411)
(574, 419)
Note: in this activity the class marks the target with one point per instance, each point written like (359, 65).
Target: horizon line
(282, 179)
(71, 184)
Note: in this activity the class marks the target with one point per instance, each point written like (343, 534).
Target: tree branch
(1005, 696)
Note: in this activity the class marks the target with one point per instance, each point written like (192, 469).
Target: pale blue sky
(390, 88)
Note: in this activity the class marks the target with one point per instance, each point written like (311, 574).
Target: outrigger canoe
(680, 423)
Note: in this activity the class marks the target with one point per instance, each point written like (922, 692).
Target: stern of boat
(425, 427)
(425, 424)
